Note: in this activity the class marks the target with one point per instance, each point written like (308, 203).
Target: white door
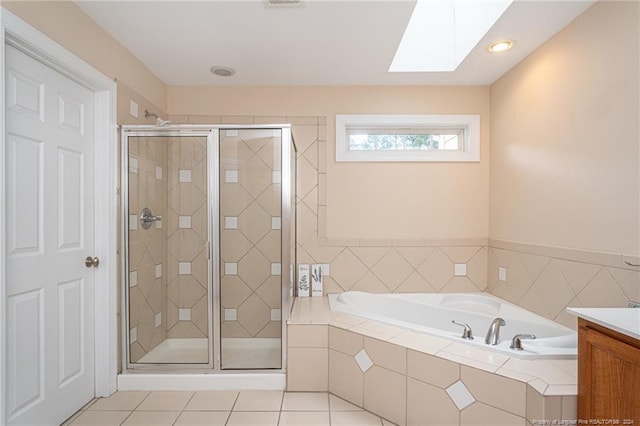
(50, 230)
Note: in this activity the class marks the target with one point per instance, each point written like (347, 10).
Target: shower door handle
(147, 218)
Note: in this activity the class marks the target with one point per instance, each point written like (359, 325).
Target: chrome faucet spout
(493, 334)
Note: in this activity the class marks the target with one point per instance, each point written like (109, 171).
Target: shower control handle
(147, 218)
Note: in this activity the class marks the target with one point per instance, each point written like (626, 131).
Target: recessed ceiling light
(222, 71)
(500, 46)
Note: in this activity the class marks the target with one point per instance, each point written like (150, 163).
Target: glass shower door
(250, 248)
(167, 282)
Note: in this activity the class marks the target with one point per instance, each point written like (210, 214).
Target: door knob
(91, 261)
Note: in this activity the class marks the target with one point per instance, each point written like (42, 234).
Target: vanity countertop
(622, 320)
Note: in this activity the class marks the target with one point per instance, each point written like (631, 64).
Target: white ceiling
(322, 42)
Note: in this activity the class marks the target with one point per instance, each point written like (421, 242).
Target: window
(408, 138)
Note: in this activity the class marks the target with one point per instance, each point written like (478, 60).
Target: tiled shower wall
(147, 247)
(187, 232)
(250, 232)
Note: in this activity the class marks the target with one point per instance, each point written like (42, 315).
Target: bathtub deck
(548, 377)
(408, 377)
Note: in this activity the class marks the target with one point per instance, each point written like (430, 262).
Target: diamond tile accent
(133, 278)
(255, 176)
(519, 280)
(158, 319)
(437, 269)
(460, 395)
(254, 223)
(602, 292)
(184, 176)
(133, 165)
(133, 222)
(230, 314)
(230, 268)
(347, 269)
(184, 222)
(234, 245)
(184, 268)
(554, 289)
(234, 291)
(184, 314)
(276, 223)
(363, 360)
(276, 314)
(254, 314)
(254, 268)
(158, 271)
(460, 270)
(158, 173)
(276, 269)
(231, 176)
(133, 335)
(236, 199)
(230, 222)
(276, 177)
(392, 269)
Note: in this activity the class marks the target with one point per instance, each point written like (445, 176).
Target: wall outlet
(133, 108)
(502, 273)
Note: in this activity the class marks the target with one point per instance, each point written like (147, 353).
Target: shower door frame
(212, 133)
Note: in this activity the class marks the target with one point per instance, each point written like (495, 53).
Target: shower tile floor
(231, 408)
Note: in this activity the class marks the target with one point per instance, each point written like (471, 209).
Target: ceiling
(320, 42)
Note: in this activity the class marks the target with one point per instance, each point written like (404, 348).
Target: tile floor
(231, 408)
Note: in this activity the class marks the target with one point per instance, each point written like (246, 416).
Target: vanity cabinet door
(608, 375)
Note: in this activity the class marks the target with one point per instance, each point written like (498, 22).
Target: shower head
(159, 121)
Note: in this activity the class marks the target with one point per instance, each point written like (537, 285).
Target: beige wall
(373, 201)
(63, 22)
(565, 169)
(565, 152)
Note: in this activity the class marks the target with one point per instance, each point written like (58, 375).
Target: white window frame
(469, 123)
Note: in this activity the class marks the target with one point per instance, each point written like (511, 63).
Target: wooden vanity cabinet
(608, 376)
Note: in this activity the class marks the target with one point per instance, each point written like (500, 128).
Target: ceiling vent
(284, 2)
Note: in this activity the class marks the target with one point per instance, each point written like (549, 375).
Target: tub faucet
(493, 334)
(467, 334)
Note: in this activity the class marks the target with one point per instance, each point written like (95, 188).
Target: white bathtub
(432, 313)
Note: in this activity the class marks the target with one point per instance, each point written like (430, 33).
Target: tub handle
(466, 334)
(516, 343)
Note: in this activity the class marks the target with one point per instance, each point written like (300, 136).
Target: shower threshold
(237, 353)
(179, 351)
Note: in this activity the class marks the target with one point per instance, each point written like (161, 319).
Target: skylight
(441, 33)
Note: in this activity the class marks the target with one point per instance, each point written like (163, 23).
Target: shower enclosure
(208, 246)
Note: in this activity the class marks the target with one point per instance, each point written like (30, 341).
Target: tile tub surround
(411, 378)
(547, 280)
